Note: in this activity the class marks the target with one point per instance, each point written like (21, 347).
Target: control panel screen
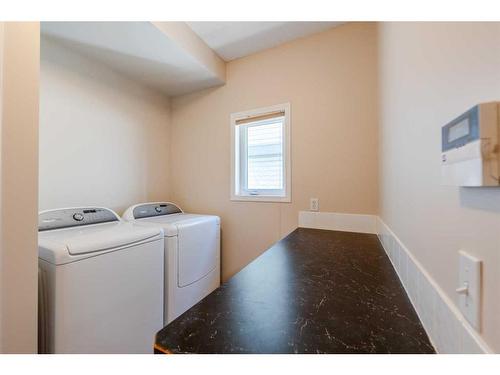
(459, 130)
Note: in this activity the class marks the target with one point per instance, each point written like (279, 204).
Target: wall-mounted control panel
(470, 154)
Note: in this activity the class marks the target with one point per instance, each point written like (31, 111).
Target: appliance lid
(67, 232)
(120, 235)
(94, 238)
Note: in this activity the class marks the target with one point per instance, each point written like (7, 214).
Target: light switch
(469, 289)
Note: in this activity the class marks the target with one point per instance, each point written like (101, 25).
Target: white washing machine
(100, 282)
(192, 253)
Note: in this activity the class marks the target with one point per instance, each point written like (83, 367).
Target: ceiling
(137, 49)
(160, 59)
(232, 40)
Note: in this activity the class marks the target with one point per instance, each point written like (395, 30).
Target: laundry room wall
(19, 76)
(104, 138)
(429, 74)
(330, 80)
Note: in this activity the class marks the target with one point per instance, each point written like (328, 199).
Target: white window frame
(237, 193)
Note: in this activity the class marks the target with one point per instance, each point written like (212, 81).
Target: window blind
(265, 154)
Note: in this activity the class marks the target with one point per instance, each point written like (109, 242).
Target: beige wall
(104, 139)
(430, 73)
(19, 73)
(330, 81)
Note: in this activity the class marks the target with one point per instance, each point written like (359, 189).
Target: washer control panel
(155, 209)
(73, 217)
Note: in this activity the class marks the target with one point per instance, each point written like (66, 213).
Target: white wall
(104, 139)
(429, 74)
(19, 69)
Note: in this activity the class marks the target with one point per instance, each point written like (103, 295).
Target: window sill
(260, 198)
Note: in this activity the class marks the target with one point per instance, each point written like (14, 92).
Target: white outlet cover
(470, 303)
(314, 204)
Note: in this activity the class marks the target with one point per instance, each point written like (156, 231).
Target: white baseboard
(448, 330)
(338, 221)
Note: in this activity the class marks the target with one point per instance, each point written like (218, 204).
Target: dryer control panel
(73, 217)
(155, 209)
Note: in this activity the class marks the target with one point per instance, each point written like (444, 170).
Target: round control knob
(158, 209)
(78, 216)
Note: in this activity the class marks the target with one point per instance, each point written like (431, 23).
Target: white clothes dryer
(192, 253)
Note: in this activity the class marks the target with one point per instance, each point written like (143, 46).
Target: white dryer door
(198, 243)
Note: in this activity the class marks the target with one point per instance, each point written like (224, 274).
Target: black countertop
(315, 291)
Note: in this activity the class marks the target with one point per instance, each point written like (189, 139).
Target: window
(260, 154)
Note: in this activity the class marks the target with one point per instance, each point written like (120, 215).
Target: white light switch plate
(470, 275)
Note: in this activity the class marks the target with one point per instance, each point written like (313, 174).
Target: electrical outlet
(469, 290)
(314, 204)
